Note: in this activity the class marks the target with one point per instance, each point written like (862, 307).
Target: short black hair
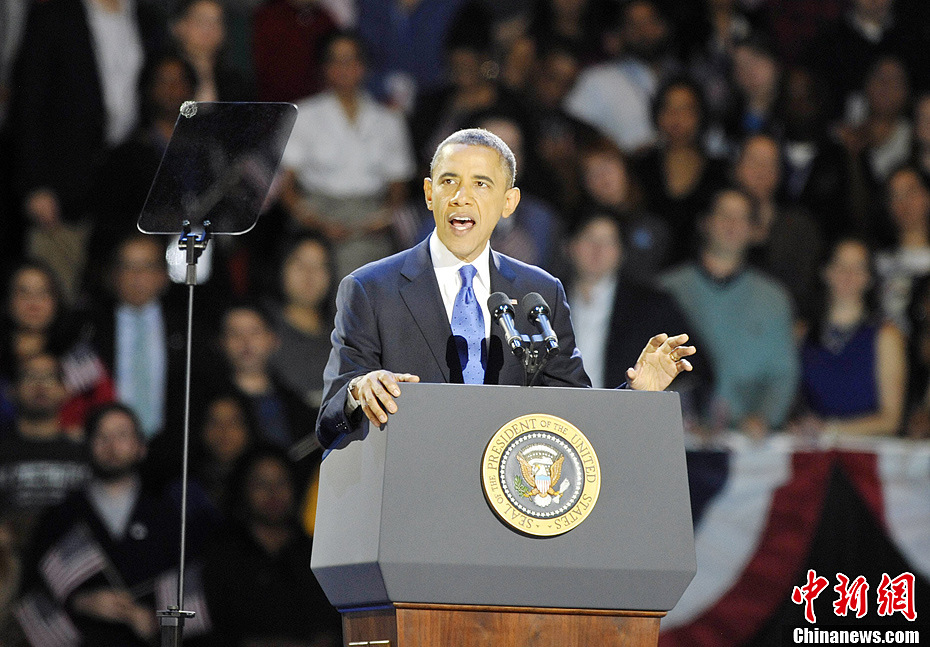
(324, 53)
(688, 84)
(96, 416)
(237, 501)
(480, 137)
(255, 307)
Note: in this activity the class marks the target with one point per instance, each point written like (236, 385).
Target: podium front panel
(432, 537)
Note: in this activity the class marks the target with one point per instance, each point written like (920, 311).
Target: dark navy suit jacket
(390, 315)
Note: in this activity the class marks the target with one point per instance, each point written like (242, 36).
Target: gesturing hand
(660, 362)
(374, 392)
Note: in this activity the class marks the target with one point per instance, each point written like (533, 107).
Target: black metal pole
(172, 619)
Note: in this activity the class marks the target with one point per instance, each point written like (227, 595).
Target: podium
(412, 551)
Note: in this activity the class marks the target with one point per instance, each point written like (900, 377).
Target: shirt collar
(444, 260)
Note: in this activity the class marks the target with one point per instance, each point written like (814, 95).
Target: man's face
(225, 432)
(40, 392)
(605, 178)
(909, 201)
(247, 341)
(141, 275)
(269, 494)
(468, 193)
(596, 251)
(202, 29)
(305, 277)
(758, 169)
(344, 68)
(32, 300)
(170, 88)
(729, 226)
(644, 32)
(115, 447)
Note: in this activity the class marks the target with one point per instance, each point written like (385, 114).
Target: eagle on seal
(541, 477)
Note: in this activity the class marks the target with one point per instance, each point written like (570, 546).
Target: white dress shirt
(127, 318)
(119, 54)
(447, 265)
(591, 322)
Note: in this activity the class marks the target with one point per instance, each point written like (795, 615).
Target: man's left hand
(660, 362)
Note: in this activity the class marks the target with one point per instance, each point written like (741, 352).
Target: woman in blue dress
(854, 367)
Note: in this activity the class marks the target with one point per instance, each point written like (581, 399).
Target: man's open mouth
(462, 223)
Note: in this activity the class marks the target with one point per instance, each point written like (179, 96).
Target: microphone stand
(171, 620)
(535, 357)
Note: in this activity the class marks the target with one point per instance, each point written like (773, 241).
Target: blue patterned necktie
(468, 325)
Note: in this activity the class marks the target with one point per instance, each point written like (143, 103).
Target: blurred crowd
(753, 172)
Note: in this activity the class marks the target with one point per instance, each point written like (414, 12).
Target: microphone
(537, 311)
(502, 312)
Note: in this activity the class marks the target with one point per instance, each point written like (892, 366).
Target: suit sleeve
(356, 351)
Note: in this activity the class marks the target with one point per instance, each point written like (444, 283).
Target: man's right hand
(375, 393)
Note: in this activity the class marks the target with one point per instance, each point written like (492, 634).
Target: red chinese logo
(894, 595)
(808, 593)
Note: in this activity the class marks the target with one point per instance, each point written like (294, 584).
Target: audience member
(794, 24)
(608, 187)
(607, 332)
(787, 244)
(897, 267)
(575, 25)
(286, 38)
(845, 49)
(126, 175)
(271, 597)
(39, 464)
(559, 136)
(816, 168)
(518, 65)
(615, 97)
(102, 553)
(677, 177)
(882, 140)
(304, 317)
(757, 81)
(471, 86)
(853, 367)
(346, 162)
(531, 232)
(743, 318)
(405, 40)
(74, 97)
(248, 341)
(709, 58)
(37, 320)
(226, 432)
(140, 332)
(199, 31)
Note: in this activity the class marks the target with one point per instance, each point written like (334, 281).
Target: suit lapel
(422, 298)
(502, 366)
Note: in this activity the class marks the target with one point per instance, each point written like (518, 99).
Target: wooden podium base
(441, 625)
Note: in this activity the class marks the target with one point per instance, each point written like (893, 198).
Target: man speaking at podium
(422, 314)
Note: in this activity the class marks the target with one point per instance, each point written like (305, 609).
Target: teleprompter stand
(408, 547)
(213, 179)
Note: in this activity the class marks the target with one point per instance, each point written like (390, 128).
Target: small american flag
(76, 557)
(195, 599)
(44, 622)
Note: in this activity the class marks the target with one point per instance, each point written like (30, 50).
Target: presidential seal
(540, 475)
